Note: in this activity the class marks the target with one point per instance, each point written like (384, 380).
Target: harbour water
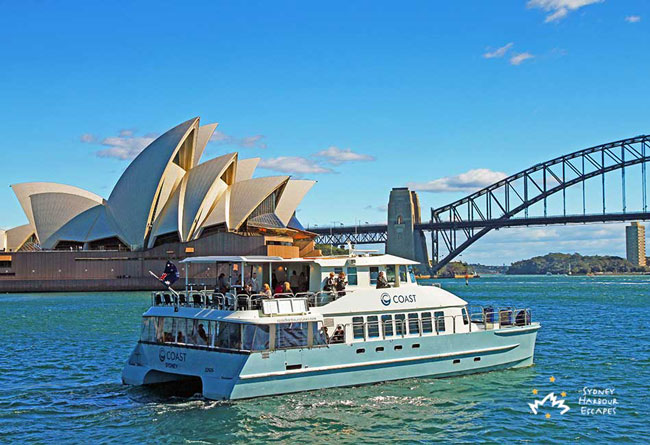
(63, 355)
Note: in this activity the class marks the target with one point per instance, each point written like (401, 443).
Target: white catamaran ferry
(243, 346)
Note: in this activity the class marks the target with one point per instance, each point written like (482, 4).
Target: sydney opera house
(168, 204)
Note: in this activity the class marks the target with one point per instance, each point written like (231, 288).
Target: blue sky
(399, 93)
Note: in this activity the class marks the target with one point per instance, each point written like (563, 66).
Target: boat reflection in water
(243, 346)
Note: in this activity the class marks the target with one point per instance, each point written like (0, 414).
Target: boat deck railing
(491, 317)
(233, 302)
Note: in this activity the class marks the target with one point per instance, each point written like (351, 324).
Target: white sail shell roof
(246, 168)
(246, 195)
(53, 210)
(25, 190)
(136, 195)
(17, 236)
(202, 187)
(205, 133)
(292, 194)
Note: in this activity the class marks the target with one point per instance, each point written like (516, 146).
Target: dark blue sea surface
(62, 355)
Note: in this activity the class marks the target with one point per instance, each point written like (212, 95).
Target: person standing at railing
(341, 282)
(295, 283)
(303, 282)
(330, 283)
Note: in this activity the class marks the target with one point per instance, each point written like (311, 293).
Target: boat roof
(331, 261)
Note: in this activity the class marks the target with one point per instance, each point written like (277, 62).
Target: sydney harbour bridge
(522, 199)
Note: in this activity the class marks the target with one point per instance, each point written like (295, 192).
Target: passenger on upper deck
(221, 283)
(278, 288)
(338, 336)
(286, 289)
(330, 283)
(295, 284)
(267, 291)
(341, 282)
(303, 282)
(254, 285)
(382, 283)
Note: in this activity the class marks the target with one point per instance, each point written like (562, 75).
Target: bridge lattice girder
(501, 201)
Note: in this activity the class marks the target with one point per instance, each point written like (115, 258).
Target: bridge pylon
(404, 239)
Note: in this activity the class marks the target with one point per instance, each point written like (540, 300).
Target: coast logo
(550, 397)
(161, 355)
(385, 299)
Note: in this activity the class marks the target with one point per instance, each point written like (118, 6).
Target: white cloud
(336, 156)
(379, 208)
(559, 9)
(293, 164)
(88, 138)
(499, 52)
(255, 141)
(469, 181)
(124, 146)
(517, 59)
(633, 18)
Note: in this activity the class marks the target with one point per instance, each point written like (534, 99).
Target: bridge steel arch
(495, 206)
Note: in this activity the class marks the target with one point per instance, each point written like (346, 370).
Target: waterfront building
(168, 204)
(635, 244)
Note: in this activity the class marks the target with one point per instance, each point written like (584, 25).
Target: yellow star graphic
(552, 379)
(563, 394)
(548, 415)
(534, 391)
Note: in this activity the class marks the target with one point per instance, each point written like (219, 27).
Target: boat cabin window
(427, 323)
(319, 337)
(387, 325)
(412, 274)
(352, 276)
(374, 273)
(357, 327)
(414, 323)
(291, 335)
(390, 274)
(440, 321)
(255, 337)
(400, 326)
(465, 319)
(402, 274)
(373, 326)
(229, 336)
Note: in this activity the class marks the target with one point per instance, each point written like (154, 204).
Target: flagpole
(170, 290)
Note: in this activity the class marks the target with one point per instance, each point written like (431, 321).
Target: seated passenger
(339, 335)
(180, 338)
(278, 288)
(330, 283)
(382, 283)
(266, 291)
(203, 334)
(286, 289)
(341, 282)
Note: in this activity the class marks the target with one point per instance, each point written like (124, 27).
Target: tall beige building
(635, 243)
